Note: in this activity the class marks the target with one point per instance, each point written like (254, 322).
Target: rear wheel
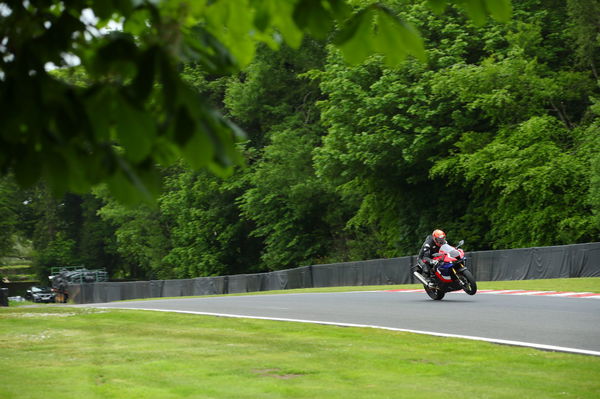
(468, 282)
(434, 293)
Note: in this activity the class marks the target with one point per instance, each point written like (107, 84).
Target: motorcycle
(451, 274)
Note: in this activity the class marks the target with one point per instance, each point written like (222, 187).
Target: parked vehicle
(451, 273)
(61, 277)
(40, 294)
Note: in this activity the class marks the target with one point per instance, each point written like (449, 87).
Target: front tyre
(468, 282)
(434, 293)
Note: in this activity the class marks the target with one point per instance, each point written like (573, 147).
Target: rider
(431, 245)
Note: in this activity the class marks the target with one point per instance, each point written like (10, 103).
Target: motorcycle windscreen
(450, 250)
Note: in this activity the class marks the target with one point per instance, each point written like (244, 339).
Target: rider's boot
(427, 273)
(432, 280)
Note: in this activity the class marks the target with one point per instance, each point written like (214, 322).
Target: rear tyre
(434, 293)
(468, 282)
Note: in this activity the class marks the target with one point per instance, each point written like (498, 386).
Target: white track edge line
(550, 294)
(531, 293)
(330, 323)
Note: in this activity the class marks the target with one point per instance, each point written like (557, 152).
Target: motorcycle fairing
(443, 272)
(450, 254)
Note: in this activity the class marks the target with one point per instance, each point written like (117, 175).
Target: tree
(584, 24)
(8, 214)
(56, 230)
(385, 129)
(292, 209)
(209, 237)
(590, 139)
(136, 111)
(141, 238)
(97, 246)
(398, 138)
(527, 172)
(494, 138)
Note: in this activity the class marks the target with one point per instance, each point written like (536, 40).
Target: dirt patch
(276, 373)
(39, 315)
(428, 361)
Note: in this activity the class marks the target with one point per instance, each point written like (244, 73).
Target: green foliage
(8, 215)
(590, 138)
(377, 29)
(133, 111)
(487, 130)
(141, 239)
(59, 252)
(97, 246)
(584, 25)
(60, 232)
(531, 165)
(208, 236)
(271, 90)
(289, 205)
(397, 140)
(385, 128)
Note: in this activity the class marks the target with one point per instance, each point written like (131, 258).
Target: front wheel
(468, 282)
(434, 293)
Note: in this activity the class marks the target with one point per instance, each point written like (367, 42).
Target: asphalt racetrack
(543, 322)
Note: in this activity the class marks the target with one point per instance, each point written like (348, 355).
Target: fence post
(3, 296)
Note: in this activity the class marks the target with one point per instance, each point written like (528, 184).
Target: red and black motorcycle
(451, 273)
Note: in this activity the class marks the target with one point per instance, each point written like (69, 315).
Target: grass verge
(584, 284)
(76, 353)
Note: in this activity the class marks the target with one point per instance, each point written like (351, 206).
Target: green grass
(22, 278)
(60, 352)
(585, 284)
(15, 266)
(54, 351)
(23, 303)
(18, 273)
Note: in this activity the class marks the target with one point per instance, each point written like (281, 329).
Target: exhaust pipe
(420, 277)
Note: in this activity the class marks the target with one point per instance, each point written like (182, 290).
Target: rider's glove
(434, 262)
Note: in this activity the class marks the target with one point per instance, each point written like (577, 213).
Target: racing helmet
(439, 237)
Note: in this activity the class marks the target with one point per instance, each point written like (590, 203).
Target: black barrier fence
(578, 260)
(3, 296)
(20, 288)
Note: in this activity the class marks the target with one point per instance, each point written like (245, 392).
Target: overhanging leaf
(349, 28)
(203, 47)
(99, 107)
(232, 23)
(437, 5)
(136, 131)
(395, 38)
(54, 172)
(131, 185)
(283, 22)
(124, 191)
(340, 9)
(262, 17)
(137, 22)
(312, 17)
(476, 10)
(356, 37)
(27, 167)
(501, 10)
(377, 30)
(199, 150)
(144, 80)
